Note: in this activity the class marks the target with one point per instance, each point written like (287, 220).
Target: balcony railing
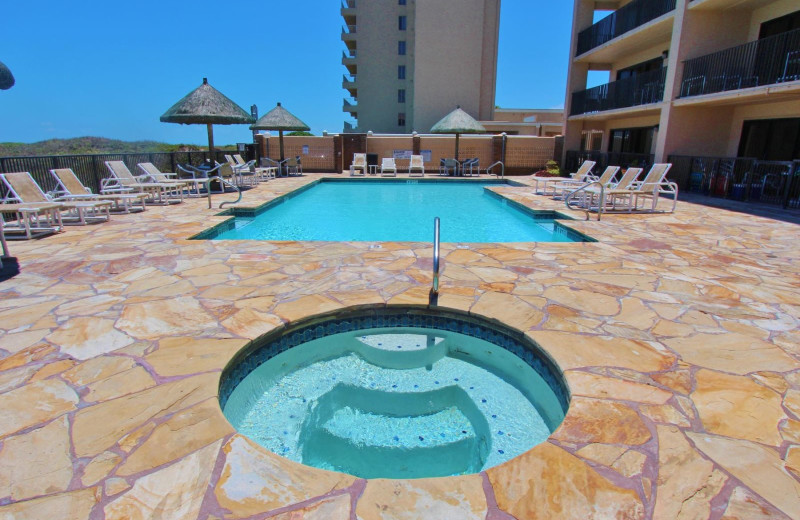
(624, 19)
(604, 159)
(775, 59)
(348, 29)
(641, 89)
(348, 4)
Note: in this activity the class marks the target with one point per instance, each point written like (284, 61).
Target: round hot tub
(395, 393)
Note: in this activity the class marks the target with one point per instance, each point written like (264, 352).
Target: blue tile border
(281, 340)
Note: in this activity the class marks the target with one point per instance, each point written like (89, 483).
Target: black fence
(90, 169)
(575, 158)
(624, 19)
(775, 59)
(739, 178)
(641, 89)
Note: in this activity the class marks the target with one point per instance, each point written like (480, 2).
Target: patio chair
(580, 175)
(157, 175)
(123, 181)
(244, 173)
(388, 167)
(472, 166)
(359, 163)
(416, 164)
(449, 165)
(267, 168)
(250, 166)
(653, 185)
(31, 220)
(591, 193)
(24, 190)
(70, 188)
(568, 185)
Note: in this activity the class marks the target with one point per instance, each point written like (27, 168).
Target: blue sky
(110, 69)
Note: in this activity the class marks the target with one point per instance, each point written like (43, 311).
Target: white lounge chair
(388, 167)
(567, 185)
(580, 175)
(416, 164)
(123, 181)
(156, 175)
(70, 188)
(359, 164)
(24, 190)
(653, 185)
(30, 220)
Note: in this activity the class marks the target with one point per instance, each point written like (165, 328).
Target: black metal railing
(575, 158)
(739, 178)
(624, 19)
(775, 59)
(90, 169)
(641, 89)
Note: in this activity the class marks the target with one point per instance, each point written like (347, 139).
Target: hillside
(89, 145)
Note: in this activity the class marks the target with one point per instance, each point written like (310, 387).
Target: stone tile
(35, 403)
(738, 407)
(588, 384)
(184, 356)
(734, 353)
(305, 306)
(174, 492)
(254, 480)
(74, 505)
(548, 482)
(756, 466)
(455, 497)
(99, 468)
(584, 301)
(250, 324)
(155, 319)
(84, 338)
(334, 508)
(606, 422)
(744, 505)
(36, 463)
(507, 308)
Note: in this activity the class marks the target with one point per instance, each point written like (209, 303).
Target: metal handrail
(434, 294)
(223, 182)
(502, 169)
(587, 209)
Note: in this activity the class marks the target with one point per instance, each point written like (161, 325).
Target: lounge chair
(580, 175)
(416, 164)
(156, 175)
(244, 174)
(24, 190)
(123, 181)
(31, 220)
(71, 188)
(359, 163)
(653, 185)
(267, 169)
(250, 166)
(388, 167)
(606, 179)
(294, 166)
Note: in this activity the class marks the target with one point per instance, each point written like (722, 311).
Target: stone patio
(678, 335)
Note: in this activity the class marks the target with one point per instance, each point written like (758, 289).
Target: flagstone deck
(678, 335)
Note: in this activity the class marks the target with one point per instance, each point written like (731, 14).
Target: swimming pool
(380, 210)
(397, 395)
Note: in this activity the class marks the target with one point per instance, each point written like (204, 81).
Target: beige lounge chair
(155, 175)
(653, 185)
(24, 190)
(359, 163)
(606, 179)
(70, 187)
(243, 174)
(580, 175)
(31, 220)
(416, 164)
(123, 181)
(590, 195)
(388, 167)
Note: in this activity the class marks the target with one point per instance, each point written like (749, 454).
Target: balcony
(642, 89)
(348, 33)
(349, 84)
(763, 62)
(349, 61)
(624, 19)
(348, 8)
(351, 108)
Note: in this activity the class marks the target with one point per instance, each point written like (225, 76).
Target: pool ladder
(223, 183)
(502, 169)
(568, 199)
(433, 296)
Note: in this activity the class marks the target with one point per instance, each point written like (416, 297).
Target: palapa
(206, 105)
(458, 122)
(6, 78)
(281, 120)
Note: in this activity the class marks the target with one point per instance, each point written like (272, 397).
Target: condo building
(699, 78)
(410, 62)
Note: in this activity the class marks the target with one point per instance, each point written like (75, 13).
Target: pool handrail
(434, 294)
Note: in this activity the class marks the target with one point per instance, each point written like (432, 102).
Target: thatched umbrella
(206, 105)
(281, 120)
(457, 122)
(6, 78)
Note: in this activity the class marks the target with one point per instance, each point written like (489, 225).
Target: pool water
(396, 403)
(397, 211)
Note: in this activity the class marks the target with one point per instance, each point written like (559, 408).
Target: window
(401, 23)
(771, 139)
(401, 2)
(780, 25)
(401, 72)
(401, 95)
(401, 119)
(632, 140)
(640, 68)
(401, 47)
(591, 140)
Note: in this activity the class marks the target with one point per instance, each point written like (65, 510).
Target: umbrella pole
(280, 139)
(211, 142)
(456, 147)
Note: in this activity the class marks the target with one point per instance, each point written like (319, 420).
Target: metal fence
(641, 89)
(603, 159)
(775, 59)
(90, 169)
(626, 18)
(739, 178)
